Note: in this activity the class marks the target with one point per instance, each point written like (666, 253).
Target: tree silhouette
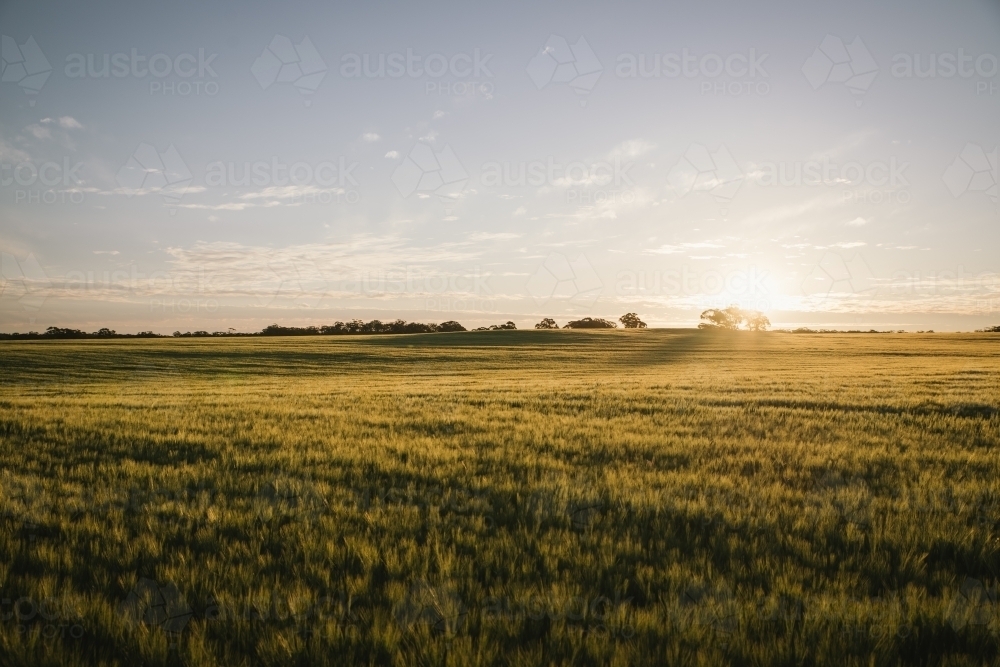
(547, 323)
(732, 317)
(335, 329)
(591, 323)
(757, 321)
(631, 321)
(498, 327)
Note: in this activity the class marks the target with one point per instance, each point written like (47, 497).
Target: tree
(547, 323)
(450, 325)
(715, 318)
(732, 317)
(757, 321)
(591, 323)
(498, 327)
(631, 321)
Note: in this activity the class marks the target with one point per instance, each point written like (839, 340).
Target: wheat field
(501, 498)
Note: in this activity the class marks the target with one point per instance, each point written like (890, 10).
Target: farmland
(501, 498)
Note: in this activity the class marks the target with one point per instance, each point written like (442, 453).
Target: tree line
(355, 327)
(352, 327)
(628, 320)
(731, 318)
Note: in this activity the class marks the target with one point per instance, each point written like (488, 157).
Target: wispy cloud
(65, 122)
(493, 236)
(673, 249)
(38, 131)
(289, 192)
(847, 146)
(9, 153)
(784, 212)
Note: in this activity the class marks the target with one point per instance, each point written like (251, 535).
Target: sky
(207, 166)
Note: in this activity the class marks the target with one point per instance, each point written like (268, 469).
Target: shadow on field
(623, 348)
(198, 360)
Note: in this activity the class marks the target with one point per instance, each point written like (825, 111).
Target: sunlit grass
(516, 498)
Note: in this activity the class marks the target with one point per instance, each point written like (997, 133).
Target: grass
(501, 498)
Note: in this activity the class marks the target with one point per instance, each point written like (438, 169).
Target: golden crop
(502, 498)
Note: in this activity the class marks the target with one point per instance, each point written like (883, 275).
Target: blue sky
(180, 166)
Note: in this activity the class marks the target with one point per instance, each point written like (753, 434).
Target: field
(501, 498)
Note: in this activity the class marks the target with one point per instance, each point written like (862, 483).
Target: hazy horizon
(187, 167)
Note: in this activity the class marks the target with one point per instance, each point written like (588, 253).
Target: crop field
(501, 498)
